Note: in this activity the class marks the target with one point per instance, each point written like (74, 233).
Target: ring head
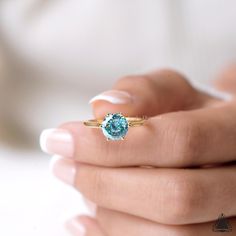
(115, 126)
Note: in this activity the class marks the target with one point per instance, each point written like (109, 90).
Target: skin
(189, 142)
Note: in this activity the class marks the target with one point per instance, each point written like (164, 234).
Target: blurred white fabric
(58, 54)
(87, 45)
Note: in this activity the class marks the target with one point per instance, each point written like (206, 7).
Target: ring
(115, 126)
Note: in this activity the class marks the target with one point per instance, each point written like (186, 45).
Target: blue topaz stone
(115, 126)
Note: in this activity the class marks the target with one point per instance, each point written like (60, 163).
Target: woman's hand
(186, 128)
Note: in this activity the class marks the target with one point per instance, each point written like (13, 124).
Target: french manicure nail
(75, 227)
(57, 141)
(65, 170)
(92, 207)
(114, 97)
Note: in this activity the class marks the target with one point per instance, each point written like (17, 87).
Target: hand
(186, 128)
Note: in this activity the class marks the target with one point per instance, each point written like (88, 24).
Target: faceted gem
(115, 126)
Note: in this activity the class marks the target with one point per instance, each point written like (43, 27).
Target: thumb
(149, 95)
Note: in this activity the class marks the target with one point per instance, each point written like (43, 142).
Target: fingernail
(75, 227)
(92, 207)
(63, 169)
(57, 141)
(114, 97)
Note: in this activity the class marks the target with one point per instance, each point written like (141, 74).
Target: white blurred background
(55, 55)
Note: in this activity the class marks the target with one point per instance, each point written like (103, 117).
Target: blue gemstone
(115, 126)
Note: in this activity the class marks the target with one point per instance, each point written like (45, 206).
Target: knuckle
(98, 189)
(183, 198)
(187, 140)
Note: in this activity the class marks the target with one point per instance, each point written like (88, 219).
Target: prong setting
(115, 126)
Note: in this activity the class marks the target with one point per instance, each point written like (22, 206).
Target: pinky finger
(84, 226)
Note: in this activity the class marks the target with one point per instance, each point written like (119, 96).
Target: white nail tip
(75, 227)
(43, 139)
(113, 96)
(91, 206)
(53, 161)
(81, 229)
(56, 135)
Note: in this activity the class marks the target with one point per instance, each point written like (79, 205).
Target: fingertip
(92, 207)
(53, 161)
(83, 225)
(113, 96)
(76, 227)
(111, 101)
(63, 169)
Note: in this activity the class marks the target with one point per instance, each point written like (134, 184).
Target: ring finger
(168, 196)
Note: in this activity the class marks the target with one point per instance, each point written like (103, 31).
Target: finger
(177, 139)
(84, 226)
(168, 196)
(117, 224)
(151, 94)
